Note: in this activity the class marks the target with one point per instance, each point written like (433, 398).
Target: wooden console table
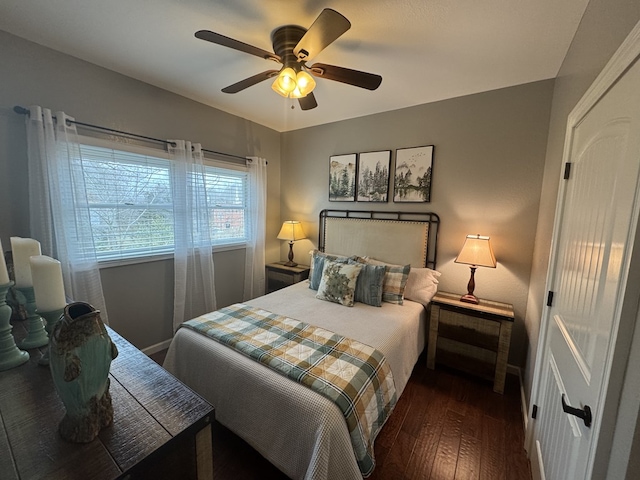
(161, 428)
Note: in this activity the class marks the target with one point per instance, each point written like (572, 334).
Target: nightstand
(472, 338)
(280, 276)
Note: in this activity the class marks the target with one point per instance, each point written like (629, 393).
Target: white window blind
(131, 203)
(227, 199)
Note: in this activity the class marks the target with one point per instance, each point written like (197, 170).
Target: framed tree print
(412, 179)
(373, 176)
(342, 178)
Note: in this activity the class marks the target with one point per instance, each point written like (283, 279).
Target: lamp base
(290, 263)
(469, 299)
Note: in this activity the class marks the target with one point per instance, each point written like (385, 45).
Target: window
(131, 205)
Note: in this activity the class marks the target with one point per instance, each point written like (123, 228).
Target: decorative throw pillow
(369, 284)
(395, 280)
(422, 285)
(318, 260)
(338, 282)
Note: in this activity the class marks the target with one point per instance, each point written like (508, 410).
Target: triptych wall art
(365, 177)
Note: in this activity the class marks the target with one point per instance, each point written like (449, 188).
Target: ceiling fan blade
(248, 82)
(308, 102)
(325, 30)
(356, 78)
(216, 38)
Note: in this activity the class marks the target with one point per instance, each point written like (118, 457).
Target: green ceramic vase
(80, 354)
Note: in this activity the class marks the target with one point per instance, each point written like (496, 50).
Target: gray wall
(487, 175)
(139, 297)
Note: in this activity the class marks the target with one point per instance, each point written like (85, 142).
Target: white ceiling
(425, 50)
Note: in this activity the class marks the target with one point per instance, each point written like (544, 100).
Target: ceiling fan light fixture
(296, 93)
(285, 82)
(290, 84)
(305, 83)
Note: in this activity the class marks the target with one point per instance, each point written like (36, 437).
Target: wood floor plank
(424, 453)
(472, 424)
(396, 461)
(517, 464)
(445, 462)
(493, 461)
(469, 458)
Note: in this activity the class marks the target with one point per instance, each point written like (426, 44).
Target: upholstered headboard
(393, 237)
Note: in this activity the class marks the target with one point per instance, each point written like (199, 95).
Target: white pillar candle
(23, 248)
(4, 275)
(47, 283)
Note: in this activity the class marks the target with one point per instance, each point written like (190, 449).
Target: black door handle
(583, 413)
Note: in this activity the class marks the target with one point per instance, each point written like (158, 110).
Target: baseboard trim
(517, 371)
(156, 348)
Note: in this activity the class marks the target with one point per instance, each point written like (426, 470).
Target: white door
(595, 223)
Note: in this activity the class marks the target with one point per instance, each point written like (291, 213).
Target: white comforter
(295, 428)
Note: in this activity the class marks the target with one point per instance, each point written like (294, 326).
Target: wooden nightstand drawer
(469, 330)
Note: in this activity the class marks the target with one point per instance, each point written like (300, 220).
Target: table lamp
(476, 252)
(291, 230)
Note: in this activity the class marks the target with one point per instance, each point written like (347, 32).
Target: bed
(298, 430)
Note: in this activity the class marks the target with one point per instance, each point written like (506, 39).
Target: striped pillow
(370, 283)
(318, 260)
(395, 280)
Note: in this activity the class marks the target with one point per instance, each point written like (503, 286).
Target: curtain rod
(25, 111)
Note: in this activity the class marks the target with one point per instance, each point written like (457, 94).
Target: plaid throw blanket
(353, 375)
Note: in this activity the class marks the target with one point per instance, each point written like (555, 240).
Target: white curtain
(257, 203)
(58, 204)
(194, 291)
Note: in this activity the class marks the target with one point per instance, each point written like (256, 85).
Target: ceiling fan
(293, 46)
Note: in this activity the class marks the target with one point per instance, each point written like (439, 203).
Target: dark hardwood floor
(446, 425)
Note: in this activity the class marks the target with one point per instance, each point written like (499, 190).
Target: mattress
(299, 431)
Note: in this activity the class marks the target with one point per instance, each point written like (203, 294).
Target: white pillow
(422, 285)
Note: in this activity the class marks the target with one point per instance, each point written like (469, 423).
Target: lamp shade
(477, 251)
(291, 230)
(304, 85)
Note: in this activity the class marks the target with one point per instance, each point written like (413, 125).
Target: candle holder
(10, 355)
(51, 318)
(36, 334)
